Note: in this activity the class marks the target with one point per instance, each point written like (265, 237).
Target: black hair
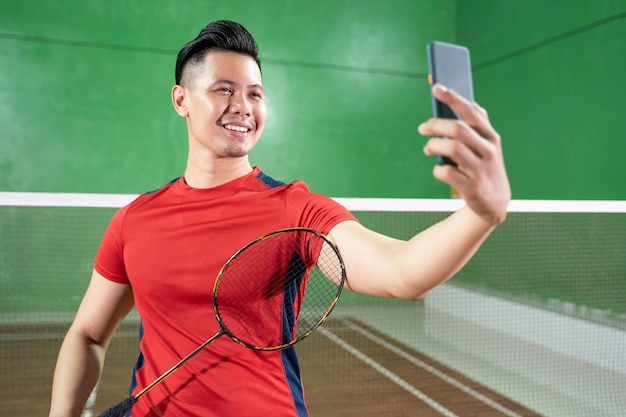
(222, 35)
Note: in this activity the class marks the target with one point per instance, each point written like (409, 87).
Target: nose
(238, 104)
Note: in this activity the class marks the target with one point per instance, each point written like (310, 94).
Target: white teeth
(236, 128)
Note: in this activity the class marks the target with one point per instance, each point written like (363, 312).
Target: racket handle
(121, 409)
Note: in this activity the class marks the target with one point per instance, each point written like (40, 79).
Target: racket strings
(261, 299)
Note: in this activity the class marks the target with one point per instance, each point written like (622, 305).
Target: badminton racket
(272, 293)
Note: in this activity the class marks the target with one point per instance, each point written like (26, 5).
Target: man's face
(225, 104)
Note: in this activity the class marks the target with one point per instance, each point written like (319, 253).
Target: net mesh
(535, 324)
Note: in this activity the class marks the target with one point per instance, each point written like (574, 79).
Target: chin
(236, 152)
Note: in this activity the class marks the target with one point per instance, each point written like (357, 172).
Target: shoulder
(267, 180)
(140, 203)
(158, 193)
(272, 183)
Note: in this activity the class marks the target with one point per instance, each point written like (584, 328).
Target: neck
(217, 173)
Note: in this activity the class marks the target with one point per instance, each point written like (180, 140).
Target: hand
(480, 175)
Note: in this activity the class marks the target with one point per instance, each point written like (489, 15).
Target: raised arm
(379, 265)
(82, 353)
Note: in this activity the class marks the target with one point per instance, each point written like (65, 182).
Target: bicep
(368, 257)
(103, 307)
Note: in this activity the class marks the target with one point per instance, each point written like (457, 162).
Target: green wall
(551, 74)
(85, 90)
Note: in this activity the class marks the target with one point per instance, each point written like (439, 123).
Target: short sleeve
(317, 211)
(110, 256)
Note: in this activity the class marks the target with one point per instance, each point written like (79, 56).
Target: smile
(236, 128)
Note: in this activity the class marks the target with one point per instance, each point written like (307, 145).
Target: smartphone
(449, 65)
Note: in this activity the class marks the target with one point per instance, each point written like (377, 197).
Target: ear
(179, 100)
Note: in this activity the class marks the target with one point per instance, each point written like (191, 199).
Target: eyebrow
(233, 83)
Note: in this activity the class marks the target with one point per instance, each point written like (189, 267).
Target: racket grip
(119, 410)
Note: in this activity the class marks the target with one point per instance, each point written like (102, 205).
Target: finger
(454, 129)
(467, 161)
(470, 112)
(481, 137)
(481, 109)
(452, 176)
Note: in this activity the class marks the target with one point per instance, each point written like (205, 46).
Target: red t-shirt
(169, 245)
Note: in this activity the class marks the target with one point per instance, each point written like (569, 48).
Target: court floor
(375, 361)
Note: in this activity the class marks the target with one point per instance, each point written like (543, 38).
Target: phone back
(450, 66)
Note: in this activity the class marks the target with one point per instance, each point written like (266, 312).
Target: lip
(236, 132)
(238, 124)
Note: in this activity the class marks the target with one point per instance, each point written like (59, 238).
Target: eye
(224, 90)
(257, 95)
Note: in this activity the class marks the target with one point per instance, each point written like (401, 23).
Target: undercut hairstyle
(221, 35)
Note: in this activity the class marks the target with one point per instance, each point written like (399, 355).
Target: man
(162, 252)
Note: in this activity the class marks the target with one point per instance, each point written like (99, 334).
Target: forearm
(382, 266)
(437, 253)
(77, 371)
